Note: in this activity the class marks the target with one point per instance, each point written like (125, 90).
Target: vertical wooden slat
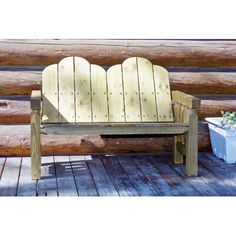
(147, 93)
(82, 90)
(50, 94)
(131, 90)
(115, 94)
(66, 90)
(163, 98)
(99, 94)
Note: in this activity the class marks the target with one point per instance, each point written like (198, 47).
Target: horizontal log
(12, 111)
(24, 81)
(203, 82)
(15, 141)
(110, 52)
(19, 82)
(213, 108)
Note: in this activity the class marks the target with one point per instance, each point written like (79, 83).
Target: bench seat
(115, 129)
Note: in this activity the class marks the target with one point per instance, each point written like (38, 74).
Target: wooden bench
(128, 99)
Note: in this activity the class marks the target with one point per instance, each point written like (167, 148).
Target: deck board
(155, 176)
(226, 179)
(64, 175)
(101, 178)
(26, 186)
(83, 178)
(47, 185)
(121, 180)
(137, 177)
(2, 163)
(10, 177)
(172, 177)
(116, 175)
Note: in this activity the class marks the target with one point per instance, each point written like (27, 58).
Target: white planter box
(223, 141)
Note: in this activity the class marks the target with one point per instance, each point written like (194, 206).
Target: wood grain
(99, 94)
(50, 94)
(66, 106)
(35, 144)
(163, 96)
(131, 90)
(147, 90)
(110, 52)
(82, 90)
(115, 94)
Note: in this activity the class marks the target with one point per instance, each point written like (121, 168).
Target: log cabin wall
(205, 68)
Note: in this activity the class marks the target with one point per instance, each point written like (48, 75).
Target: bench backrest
(75, 91)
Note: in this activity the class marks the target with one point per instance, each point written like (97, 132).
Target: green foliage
(229, 120)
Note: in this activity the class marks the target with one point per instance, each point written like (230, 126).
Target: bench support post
(191, 138)
(35, 144)
(35, 135)
(177, 155)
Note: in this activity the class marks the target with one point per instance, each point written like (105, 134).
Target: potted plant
(223, 136)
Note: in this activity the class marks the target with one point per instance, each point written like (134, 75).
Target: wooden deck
(121, 175)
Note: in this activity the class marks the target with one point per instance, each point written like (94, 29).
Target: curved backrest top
(75, 91)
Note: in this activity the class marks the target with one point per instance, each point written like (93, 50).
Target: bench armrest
(186, 100)
(35, 102)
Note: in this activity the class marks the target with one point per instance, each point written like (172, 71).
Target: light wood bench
(129, 99)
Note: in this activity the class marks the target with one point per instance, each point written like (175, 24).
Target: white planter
(223, 141)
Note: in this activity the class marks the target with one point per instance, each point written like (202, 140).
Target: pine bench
(128, 99)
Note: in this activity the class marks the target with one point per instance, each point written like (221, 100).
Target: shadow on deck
(116, 175)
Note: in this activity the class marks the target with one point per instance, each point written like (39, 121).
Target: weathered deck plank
(65, 179)
(2, 163)
(117, 175)
(137, 177)
(83, 177)
(201, 183)
(172, 177)
(26, 186)
(154, 175)
(101, 178)
(10, 177)
(226, 178)
(121, 180)
(47, 185)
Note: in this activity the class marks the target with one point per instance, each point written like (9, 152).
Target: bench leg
(191, 138)
(177, 156)
(35, 145)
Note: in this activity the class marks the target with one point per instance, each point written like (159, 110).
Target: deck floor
(119, 175)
